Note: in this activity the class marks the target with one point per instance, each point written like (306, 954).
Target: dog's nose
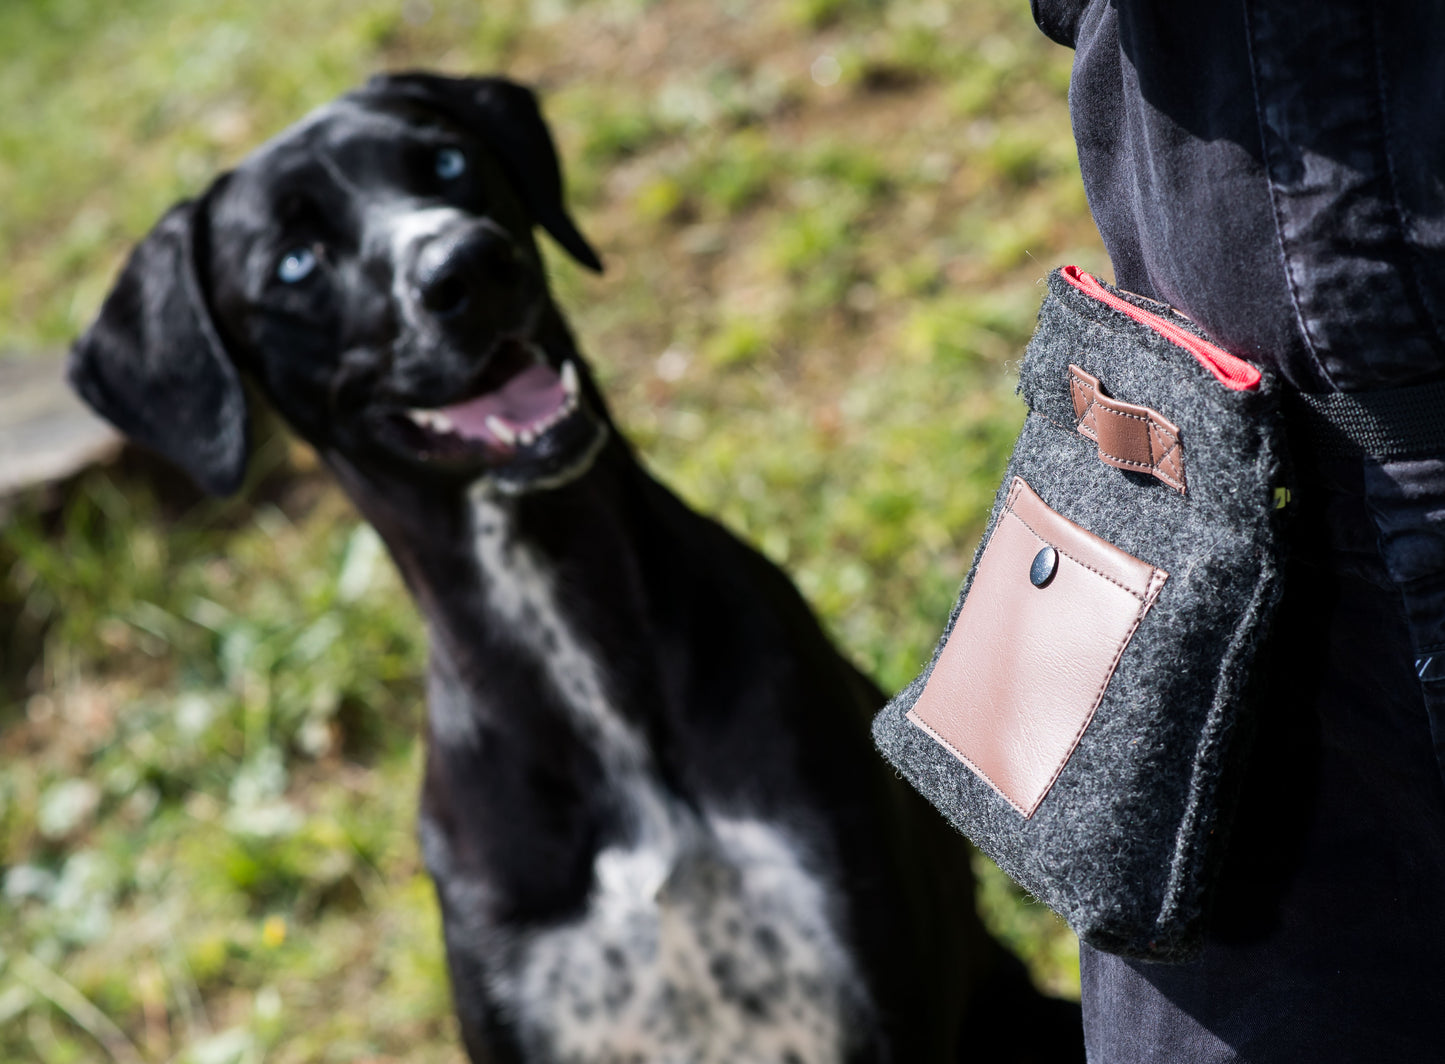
(453, 272)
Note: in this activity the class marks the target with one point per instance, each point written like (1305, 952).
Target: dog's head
(373, 270)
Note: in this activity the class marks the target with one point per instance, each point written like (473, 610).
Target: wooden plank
(46, 433)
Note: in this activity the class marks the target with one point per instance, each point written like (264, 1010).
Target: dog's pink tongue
(525, 399)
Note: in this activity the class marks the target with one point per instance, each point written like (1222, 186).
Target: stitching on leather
(1168, 465)
(1127, 461)
(1076, 430)
(1159, 432)
(1162, 436)
(1152, 592)
(1087, 425)
(1150, 465)
(1152, 588)
(1131, 417)
(1010, 511)
(1087, 421)
(1155, 585)
(923, 727)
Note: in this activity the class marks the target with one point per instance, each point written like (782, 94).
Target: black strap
(1392, 423)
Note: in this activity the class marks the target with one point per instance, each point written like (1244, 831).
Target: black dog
(652, 811)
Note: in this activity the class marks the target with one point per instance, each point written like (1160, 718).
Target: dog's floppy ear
(153, 365)
(507, 117)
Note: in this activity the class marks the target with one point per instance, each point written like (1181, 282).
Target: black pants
(1272, 168)
(1328, 942)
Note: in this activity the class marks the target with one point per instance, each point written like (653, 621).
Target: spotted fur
(706, 938)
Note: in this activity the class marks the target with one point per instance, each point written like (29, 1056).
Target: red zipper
(1234, 373)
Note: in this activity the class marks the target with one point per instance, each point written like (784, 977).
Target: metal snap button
(1046, 563)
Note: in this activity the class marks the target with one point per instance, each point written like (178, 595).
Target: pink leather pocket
(1034, 647)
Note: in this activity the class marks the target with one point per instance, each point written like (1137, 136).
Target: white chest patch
(706, 938)
(722, 953)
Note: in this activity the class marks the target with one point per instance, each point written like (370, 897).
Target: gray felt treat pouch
(1085, 714)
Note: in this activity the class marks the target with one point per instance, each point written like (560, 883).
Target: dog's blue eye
(450, 163)
(296, 265)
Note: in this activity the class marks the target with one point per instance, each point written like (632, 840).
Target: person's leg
(1328, 939)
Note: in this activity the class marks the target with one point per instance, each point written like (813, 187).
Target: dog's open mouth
(527, 422)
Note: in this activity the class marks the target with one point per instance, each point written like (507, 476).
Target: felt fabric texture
(1126, 843)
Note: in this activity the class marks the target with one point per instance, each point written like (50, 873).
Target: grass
(818, 285)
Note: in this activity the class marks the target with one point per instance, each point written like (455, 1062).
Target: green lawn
(825, 222)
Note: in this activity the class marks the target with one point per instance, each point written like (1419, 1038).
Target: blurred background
(825, 224)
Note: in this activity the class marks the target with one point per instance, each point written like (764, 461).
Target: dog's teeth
(442, 423)
(500, 429)
(569, 378)
(525, 437)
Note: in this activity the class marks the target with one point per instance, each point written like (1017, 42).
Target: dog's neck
(525, 595)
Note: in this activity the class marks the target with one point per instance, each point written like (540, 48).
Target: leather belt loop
(1128, 436)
